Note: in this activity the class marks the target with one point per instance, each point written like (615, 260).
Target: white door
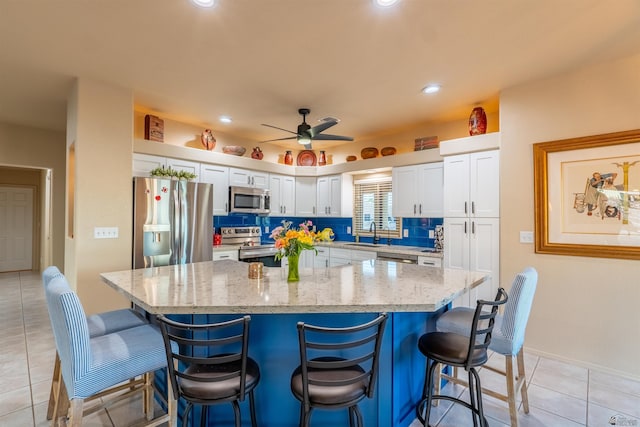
(16, 228)
(219, 177)
(306, 194)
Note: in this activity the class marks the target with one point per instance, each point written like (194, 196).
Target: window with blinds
(373, 203)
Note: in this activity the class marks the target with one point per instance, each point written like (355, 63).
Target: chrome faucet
(372, 227)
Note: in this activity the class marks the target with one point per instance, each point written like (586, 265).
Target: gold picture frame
(587, 196)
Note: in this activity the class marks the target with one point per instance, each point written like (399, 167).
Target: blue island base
(273, 343)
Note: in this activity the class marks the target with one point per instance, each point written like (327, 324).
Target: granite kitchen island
(335, 296)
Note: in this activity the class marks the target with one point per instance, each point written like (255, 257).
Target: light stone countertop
(223, 287)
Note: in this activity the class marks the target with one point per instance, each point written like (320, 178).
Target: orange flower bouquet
(290, 242)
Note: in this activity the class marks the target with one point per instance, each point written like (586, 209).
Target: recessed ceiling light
(225, 119)
(204, 3)
(432, 88)
(385, 3)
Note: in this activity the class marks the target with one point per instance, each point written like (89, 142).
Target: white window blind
(373, 203)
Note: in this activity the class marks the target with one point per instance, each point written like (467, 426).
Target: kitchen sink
(363, 245)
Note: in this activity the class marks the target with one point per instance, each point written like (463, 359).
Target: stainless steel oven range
(251, 250)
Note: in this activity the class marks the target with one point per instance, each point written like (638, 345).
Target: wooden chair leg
(55, 387)
(511, 391)
(75, 413)
(523, 378)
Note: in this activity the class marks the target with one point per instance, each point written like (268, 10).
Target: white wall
(585, 309)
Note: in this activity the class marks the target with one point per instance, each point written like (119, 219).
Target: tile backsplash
(417, 228)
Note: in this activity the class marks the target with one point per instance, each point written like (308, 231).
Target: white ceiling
(258, 61)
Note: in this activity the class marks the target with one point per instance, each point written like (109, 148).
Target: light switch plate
(526, 237)
(348, 230)
(266, 229)
(105, 232)
(405, 233)
(432, 234)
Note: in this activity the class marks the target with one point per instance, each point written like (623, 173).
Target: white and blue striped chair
(507, 338)
(99, 324)
(91, 365)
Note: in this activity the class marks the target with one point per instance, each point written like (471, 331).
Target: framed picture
(587, 196)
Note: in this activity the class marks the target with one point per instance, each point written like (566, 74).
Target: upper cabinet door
(417, 191)
(248, 178)
(219, 177)
(485, 184)
(306, 196)
(430, 190)
(143, 164)
(471, 185)
(456, 186)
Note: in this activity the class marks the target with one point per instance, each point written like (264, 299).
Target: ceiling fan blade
(322, 126)
(276, 127)
(325, 137)
(280, 139)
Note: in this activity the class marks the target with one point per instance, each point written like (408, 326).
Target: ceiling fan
(306, 133)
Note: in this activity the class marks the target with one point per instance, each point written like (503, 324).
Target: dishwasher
(390, 256)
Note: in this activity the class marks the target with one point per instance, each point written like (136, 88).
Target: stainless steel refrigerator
(172, 222)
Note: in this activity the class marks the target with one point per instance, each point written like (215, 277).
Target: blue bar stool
(99, 324)
(93, 365)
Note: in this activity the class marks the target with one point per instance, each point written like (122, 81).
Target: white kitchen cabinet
(418, 191)
(283, 194)
(428, 261)
(335, 196)
(248, 178)
(321, 259)
(306, 196)
(143, 164)
(472, 185)
(225, 254)
(339, 256)
(219, 177)
(185, 165)
(474, 244)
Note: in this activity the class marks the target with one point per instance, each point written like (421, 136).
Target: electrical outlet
(348, 230)
(405, 233)
(526, 237)
(432, 234)
(266, 229)
(105, 232)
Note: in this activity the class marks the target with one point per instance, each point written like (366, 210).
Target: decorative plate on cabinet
(236, 150)
(306, 158)
(351, 158)
(388, 151)
(369, 153)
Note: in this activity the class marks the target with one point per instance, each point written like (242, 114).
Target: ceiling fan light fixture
(432, 88)
(304, 140)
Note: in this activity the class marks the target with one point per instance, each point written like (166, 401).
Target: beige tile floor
(560, 394)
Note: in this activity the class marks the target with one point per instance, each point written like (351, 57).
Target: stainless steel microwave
(249, 200)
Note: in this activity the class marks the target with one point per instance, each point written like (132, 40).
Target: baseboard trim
(582, 364)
